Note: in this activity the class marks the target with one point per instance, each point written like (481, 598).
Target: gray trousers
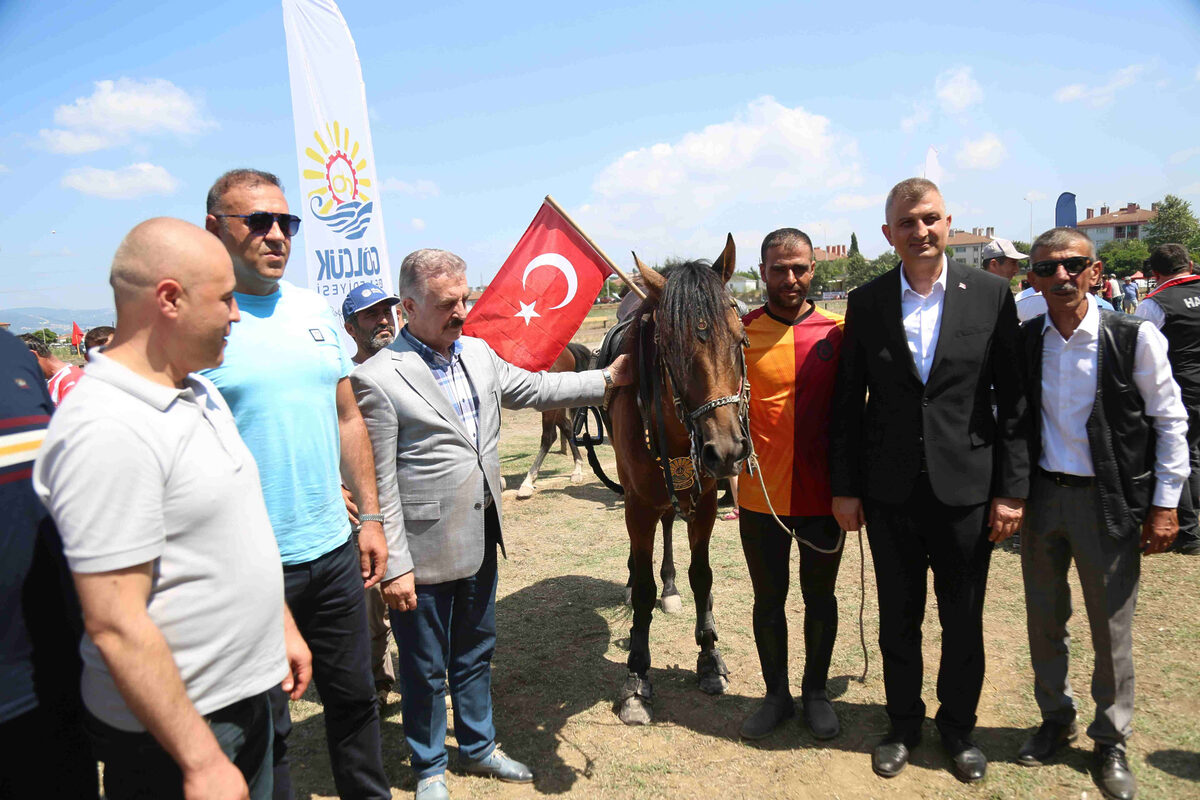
(1062, 523)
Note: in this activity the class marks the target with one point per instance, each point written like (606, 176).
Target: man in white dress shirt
(1111, 464)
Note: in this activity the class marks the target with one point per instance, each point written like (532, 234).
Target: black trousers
(327, 601)
(768, 557)
(907, 540)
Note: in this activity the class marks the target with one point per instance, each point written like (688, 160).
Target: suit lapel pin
(962, 286)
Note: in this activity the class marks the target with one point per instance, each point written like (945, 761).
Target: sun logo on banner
(338, 200)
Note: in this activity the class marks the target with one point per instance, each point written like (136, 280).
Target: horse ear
(653, 280)
(726, 263)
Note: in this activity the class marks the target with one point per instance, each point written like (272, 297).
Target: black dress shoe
(1046, 741)
(819, 716)
(1113, 774)
(970, 764)
(891, 755)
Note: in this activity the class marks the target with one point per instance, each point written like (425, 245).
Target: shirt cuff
(1167, 492)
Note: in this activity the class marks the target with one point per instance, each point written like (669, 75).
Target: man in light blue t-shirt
(285, 379)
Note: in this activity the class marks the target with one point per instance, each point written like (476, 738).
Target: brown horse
(557, 423)
(676, 430)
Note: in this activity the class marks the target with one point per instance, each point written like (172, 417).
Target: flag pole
(620, 273)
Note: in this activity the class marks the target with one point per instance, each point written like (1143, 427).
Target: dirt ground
(562, 645)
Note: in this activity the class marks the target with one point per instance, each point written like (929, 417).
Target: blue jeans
(452, 632)
(328, 603)
(136, 767)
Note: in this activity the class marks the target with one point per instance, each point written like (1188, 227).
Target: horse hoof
(526, 491)
(577, 477)
(636, 704)
(628, 596)
(712, 672)
(672, 604)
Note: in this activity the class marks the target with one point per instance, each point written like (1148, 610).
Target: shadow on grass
(549, 667)
(1180, 763)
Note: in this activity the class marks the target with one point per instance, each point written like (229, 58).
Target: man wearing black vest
(917, 454)
(1174, 308)
(1112, 459)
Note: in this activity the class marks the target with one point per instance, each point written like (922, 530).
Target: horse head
(700, 341)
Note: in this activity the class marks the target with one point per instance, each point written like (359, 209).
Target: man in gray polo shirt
(164, 527)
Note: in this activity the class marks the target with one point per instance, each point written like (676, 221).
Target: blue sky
(660, 126)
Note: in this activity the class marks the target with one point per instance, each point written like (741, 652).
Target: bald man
(164, 527)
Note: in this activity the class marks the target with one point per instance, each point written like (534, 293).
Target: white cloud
(915, 120)
(1192, 189)
(4, 169)
(1184, 155)
(1099, 96)
(136, 180)
(985, 152)
(680, 197)
(858, 202)
(417, 188)
(957, 90)
(1034, 195)
(1198, 73)
(64, 252)
(119, 111)
(418, 224)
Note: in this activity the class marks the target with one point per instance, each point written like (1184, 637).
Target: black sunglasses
(1073, 266)
(261, 221)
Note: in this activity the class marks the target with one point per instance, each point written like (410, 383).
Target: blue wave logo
(349, 219)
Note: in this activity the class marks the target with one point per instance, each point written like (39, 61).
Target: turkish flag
(538, 299)
(76, 335)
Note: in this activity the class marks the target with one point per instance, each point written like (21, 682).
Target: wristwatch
(370, 518)
(608, 387)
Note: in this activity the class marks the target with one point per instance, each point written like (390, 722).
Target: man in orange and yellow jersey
(791, 362)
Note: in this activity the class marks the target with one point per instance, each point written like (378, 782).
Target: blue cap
(364, 296)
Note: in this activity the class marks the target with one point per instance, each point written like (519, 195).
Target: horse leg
(549, 431)
(671, 602)
(629, 580)
(710, 667)
(569, 439)
(634, 706)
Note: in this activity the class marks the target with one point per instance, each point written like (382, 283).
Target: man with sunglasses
(1174, 308)
(285, 377)
(1112, 458)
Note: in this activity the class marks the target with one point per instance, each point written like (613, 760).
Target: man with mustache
(369, 317)
(286, 378)
(917, 453)
(432, 402)
(1111, 451)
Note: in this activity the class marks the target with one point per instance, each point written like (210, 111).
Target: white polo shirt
(136, 472)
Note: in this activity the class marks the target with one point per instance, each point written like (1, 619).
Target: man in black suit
(936, 477)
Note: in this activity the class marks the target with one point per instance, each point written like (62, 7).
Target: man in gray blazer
(431, 401)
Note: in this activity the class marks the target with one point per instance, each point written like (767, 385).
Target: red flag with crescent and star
(539, 298)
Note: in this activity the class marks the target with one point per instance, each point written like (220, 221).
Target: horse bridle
(690, 419)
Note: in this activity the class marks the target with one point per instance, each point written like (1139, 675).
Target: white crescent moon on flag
(562, 265)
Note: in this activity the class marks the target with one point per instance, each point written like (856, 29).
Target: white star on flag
(527, 312)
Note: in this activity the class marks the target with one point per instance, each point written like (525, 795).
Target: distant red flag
(540, 296)
(76, 335)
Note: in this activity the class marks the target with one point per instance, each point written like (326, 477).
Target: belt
(1064, 479)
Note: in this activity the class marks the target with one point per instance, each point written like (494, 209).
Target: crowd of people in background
(224, 503)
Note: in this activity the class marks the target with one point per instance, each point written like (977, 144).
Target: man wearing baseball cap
(369, 319)
(999, 257)
(367, 313)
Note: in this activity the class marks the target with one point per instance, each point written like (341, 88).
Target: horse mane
(694, 293)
